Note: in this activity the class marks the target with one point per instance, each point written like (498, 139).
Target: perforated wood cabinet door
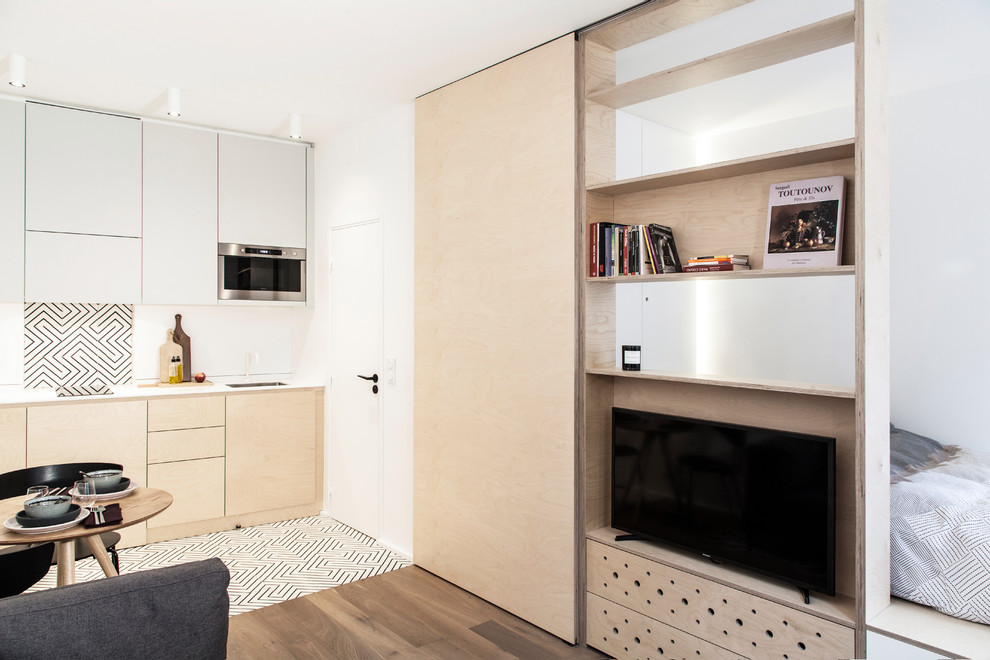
(734, 620)
(494, 501)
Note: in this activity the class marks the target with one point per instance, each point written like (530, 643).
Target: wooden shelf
(802, 41)
(813, 389)
(819, 153)
(759, 273)
(650, 22)
(839, 609)
(923, 626)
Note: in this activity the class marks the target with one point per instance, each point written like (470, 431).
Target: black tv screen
(757, 498)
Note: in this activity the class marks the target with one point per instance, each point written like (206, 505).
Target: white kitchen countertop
(16, 395)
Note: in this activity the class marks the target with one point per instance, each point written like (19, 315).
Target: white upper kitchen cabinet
(81, 268)
(180, 215)
(12, 201)
(262, 192)
(83, 172)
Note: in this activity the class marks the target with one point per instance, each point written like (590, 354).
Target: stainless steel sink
(267, 384)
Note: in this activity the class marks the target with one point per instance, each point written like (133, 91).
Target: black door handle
(373, 377)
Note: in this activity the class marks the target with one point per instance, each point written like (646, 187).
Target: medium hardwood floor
(406, 613)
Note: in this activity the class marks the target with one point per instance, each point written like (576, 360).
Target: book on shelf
(714, 267)
(741, 259)
(662, 239)
(616, 249)
(804, 223)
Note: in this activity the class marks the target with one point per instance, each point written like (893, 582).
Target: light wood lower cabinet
(106, 431)
(227, 460)
(13, 435)
(186, 412)
(196, 487)
(186, 457)
(271, 451)
(641, 608)
(185, 444)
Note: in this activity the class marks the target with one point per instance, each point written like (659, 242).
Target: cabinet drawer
(747, 624)
(185, 444)
(196, 488)
(623, 633)
(185, 413)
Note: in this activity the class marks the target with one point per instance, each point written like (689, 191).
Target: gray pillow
(910, 452)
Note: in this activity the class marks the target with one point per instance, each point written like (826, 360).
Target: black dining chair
(15, 484)
(22, 567)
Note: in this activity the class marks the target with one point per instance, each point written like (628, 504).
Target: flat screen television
(757, 498)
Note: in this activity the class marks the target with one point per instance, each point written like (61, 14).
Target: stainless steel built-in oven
(261, 272)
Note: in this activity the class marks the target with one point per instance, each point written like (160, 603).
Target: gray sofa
(175, 612)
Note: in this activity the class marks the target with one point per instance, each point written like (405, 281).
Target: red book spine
(625, 250)
(593, 242)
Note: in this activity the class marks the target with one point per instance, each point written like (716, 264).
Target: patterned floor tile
(268, 563)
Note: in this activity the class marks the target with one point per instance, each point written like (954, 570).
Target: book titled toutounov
(804, 223)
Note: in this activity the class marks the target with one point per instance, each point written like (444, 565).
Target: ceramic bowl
(47, 506)
(103, 478)
(24, 521)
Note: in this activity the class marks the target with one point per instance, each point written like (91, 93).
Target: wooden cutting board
(166, 352)
(180, 337)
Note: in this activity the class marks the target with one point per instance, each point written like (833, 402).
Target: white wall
(12, 344)
(940, 305)
(364, 173)
(219, 338)
(220, 335)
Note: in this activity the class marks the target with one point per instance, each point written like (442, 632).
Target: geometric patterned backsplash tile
(75, 344)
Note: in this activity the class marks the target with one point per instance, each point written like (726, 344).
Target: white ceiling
(245, 65)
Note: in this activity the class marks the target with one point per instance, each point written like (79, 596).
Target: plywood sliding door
(494, 508)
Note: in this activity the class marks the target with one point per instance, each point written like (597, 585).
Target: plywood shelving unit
(722, 206)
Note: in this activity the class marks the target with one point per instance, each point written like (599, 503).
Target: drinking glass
(36, 491)
(85, 494)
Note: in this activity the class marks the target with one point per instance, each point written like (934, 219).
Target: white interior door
(355, 453)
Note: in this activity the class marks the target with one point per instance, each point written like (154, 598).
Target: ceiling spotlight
(173, 102)
(18, 70)
(295, 126)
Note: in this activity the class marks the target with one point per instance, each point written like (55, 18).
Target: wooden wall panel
(494, 503)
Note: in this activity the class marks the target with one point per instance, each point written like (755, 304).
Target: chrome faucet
(249, 359)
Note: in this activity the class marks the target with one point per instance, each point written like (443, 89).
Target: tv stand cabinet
(648, 602)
